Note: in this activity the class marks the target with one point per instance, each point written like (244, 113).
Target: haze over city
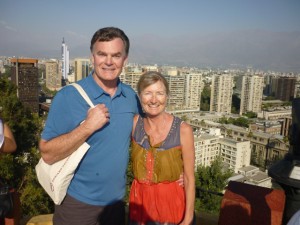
(218, 34)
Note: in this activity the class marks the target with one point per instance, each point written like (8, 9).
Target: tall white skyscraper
(193, 90)
(221, 93)
(65, 60)
(251, 94)
(176, 86)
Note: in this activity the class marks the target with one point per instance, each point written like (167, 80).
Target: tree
(236, 103)
(205, 99)
(19, 167)
(241, 121)
(250, 114)
(212, 179)
(184, 118)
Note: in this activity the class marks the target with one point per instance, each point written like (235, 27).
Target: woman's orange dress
(155, 196)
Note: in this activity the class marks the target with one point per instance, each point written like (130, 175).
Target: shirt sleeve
(66, 112)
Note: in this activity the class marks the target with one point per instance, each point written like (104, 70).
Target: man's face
(108, 59)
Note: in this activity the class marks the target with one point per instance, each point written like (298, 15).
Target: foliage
(250, 114)
(211, 179)
(241, 121)
(236, 103)
(130, 177)
(47, 91)
(19, 167)
(270, 98)
(184, 118)
(205, 98)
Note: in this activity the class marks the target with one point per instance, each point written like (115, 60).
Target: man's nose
(108, 60)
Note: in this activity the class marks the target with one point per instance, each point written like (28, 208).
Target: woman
(162, 149)
(7, 145)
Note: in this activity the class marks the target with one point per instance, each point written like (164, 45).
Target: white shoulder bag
(55, 178)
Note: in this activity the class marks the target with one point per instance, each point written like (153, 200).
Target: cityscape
(233, 70)
(241, 116)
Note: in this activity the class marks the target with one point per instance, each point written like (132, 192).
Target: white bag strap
(83, 94)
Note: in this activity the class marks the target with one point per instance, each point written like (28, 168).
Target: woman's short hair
(149, 78)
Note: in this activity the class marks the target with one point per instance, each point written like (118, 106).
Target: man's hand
(180, 181)
(96, 118)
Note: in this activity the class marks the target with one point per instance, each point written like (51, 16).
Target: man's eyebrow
(117, 53)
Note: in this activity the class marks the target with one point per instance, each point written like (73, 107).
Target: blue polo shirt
(100, 179)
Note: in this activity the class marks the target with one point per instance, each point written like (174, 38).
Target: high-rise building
(267, 87)
(65, 60)
(82, 68)
(132, 75)
(221, 93)
(193, 91)
(24, 74)
(53, 77)
(251, 94)
(285, 88)
(177, 92)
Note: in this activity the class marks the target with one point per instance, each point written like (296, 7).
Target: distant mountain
(256, 48)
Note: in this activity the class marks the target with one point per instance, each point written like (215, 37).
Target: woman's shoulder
(185, 127)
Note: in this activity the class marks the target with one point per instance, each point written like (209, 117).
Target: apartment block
(206, 149)
(82, 68)
(53, 76)
(221, 93)
(286, 125)
(264, 147)
(283, 88)
(275, 114)
(270, 127)
(193, 83)
(251, 94)
(131, 76)
(176, 99)
(24, 74)
(235, 154)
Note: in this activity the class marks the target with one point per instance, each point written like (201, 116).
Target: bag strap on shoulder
(83, 94)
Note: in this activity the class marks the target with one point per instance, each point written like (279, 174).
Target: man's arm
(62, 146)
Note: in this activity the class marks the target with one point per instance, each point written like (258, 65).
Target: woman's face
(154, 99)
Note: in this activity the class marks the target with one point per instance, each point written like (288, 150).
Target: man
(98, 187)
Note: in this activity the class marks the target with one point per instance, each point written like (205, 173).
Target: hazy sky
(220, 33)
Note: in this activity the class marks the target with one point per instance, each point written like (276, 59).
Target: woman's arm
(9, 145)
(188, 154)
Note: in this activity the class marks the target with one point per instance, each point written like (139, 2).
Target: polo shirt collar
(97, 91)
